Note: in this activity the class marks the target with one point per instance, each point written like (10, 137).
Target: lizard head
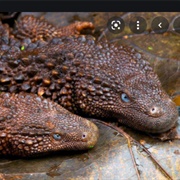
(73, 133)
(36, 126)
(120, 84)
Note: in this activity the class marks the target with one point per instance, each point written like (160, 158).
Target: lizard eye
(125, 98)
(56, 136)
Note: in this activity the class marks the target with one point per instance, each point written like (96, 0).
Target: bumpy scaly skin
(31, 125)
(39, 29)
(89, 77)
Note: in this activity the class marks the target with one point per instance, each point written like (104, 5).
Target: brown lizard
(31, 125)
(97, 79)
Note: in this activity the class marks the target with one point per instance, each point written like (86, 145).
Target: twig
(3, 17)
(133, 158)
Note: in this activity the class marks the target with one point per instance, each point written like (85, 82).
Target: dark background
(85, 5)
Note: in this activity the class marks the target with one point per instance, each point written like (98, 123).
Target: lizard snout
(92, 135)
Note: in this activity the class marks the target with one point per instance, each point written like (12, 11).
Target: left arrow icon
(160, 25)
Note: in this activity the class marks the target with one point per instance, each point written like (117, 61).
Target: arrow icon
(160, 25)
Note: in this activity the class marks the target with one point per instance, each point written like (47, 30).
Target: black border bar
(86, 5)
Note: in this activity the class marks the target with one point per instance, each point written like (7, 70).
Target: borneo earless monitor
(86, 77)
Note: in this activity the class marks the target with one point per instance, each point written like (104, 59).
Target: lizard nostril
(155, 111)
(84, 135)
